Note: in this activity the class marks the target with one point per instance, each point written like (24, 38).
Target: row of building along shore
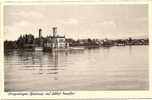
(28, 41)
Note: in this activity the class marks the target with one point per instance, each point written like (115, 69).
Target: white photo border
(78, 94)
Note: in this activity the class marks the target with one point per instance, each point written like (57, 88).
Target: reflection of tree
(130, 49)
(55, 64)
(41, 65)
(52, 64)
(34, 62)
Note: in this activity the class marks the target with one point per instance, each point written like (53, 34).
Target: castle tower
(40, 37)
(54, 31)
(40, 33)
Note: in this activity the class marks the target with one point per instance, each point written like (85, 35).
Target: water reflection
(39, 63)
(44, 68)
(114, 68)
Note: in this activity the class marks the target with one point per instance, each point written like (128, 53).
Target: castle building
(56, 41)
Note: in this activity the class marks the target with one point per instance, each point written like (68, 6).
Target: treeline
(20, 42)
(29, 41)
(84, 42)
(107, 42)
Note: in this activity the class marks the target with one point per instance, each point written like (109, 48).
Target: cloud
(70, 21)
(85, 20)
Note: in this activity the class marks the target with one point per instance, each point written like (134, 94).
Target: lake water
(114, 68)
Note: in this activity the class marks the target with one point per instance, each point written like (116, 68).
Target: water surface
(114, 68)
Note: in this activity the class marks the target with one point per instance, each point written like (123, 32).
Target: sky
(77, 21)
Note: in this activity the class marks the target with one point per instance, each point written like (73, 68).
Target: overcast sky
(77, 21)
